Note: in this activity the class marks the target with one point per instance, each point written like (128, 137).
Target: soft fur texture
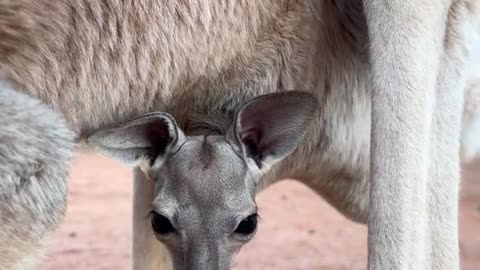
(102, 62)
(35, 150)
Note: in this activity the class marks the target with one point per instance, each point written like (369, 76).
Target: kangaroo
(390, 76)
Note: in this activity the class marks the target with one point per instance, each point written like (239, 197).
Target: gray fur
(387, 75)
(35, 150)
(206, 184)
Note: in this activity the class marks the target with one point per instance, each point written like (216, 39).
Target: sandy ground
(298, 229)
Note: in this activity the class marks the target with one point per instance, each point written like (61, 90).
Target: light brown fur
(116, 59)
(101, 62)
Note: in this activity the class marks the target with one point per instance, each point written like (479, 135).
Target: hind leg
(35, 149)
(471, 123)
(417, 50)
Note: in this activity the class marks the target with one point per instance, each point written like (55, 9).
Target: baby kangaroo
(204, 207)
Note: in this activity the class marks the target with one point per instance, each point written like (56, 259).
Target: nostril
(161, 224)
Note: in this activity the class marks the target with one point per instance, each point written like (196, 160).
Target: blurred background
(297, 231)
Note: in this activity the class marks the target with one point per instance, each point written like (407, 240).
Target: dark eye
(161, 224)
(247, 225)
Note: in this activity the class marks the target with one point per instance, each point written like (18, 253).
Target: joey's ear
(145, 138)
(271, 126)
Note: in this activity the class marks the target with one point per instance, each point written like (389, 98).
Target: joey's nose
(207, 255)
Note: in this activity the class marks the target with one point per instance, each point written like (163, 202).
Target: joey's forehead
(205, 162)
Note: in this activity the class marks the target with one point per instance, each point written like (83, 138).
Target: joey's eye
(161, 224)
(248, 225)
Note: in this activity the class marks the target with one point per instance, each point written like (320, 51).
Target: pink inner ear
(252, 140)
(157, 132)
(252, 135)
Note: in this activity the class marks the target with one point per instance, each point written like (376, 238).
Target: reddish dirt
(298, 229)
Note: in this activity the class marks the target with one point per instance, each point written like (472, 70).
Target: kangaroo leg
(148, 252)
(444, 170)
(35, 149)
(470, 138)
(470, 148)
(417, 97)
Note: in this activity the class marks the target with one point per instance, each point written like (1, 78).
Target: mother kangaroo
(394, 70)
